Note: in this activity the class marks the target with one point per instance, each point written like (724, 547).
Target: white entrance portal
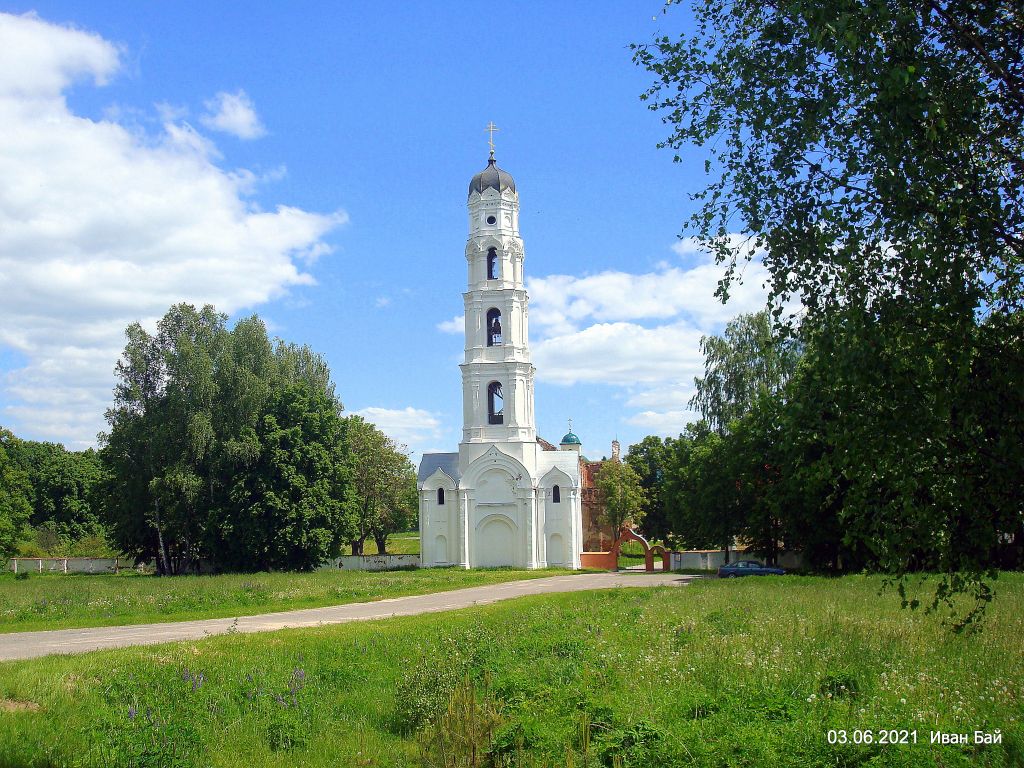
(495, 544)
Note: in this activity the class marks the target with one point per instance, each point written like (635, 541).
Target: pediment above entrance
(493, 464)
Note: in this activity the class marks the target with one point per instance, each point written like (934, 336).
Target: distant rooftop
(571, 439)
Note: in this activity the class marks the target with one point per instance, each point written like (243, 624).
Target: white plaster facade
(502, 499)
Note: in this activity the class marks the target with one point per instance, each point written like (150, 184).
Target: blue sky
(309, 162)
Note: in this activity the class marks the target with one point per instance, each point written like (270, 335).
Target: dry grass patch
(11, 705)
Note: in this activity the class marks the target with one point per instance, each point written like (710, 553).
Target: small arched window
(556, 495)
(493, 328)
(495, 404)
(492, 264)
(440, 496)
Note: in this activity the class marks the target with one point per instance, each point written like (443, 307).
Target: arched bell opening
(493, 327)
(493, 264)
(495, 404)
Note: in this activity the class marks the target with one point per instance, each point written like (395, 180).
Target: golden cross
(491, 128)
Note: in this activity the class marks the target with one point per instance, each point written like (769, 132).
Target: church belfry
(506, 498)
(497, 375)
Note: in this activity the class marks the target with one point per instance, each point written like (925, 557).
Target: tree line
(48, 502)
(789, 455)
(224, 450)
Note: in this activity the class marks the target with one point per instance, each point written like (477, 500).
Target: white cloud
(233, 113)
(623, 354)
(562, 303)
(456, 325)
(674, 396)
(663, 423)
(415, 428)
(101, 225)
(382, 302)
(39, 60)
(638, 331)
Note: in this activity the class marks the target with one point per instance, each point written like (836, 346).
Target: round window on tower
(491, 219)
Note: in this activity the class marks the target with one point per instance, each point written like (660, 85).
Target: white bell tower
(497, 375)
(505, 499)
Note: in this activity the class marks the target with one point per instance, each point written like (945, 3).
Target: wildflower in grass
(132, 712)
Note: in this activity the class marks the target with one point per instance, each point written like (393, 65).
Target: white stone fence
(64, 565)
(371, 563)
(713, 559)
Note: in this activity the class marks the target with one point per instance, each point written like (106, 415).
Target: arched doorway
(495, 543)
(556, 549)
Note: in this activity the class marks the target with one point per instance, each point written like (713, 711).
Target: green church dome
(571, 439)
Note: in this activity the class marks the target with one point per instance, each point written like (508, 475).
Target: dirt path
(28, 645)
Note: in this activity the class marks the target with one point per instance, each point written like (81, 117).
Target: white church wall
(438, 522)
(556, 519)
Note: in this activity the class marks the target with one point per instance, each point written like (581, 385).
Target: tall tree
(224, 447)
(622, 496)
(161, 431)
(872, 150)
(700, 490)
(870, 155)
(647, 458)
(382, 478)
(745, 363)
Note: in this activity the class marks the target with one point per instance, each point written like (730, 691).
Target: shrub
(464, 734)
(424, 692)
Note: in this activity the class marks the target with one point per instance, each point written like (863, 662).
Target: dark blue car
(748, 568)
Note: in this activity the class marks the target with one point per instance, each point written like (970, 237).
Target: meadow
(58, 601)
(752, 672)
(398, 544)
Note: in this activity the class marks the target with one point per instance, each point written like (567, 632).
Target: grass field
(751, 672)
(398, 544)
(57, 601)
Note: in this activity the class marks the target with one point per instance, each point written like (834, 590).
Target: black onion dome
(492, 177)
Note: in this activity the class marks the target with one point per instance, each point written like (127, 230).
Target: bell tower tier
(497, 375)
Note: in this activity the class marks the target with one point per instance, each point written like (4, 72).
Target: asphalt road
(28, 645)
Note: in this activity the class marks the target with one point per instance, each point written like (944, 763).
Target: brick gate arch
(626, 534)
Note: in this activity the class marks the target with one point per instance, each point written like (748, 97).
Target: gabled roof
(446, 462)
(545, 445)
